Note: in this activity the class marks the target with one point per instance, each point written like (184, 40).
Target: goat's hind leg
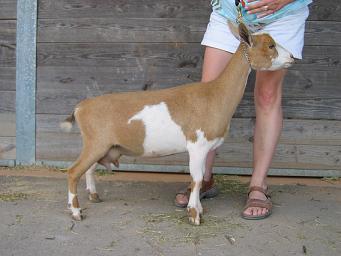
(197, 169)
(91, 184)
(87, 158)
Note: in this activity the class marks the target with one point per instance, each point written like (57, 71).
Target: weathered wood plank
(8, 9)
(156, 30)
(96, 81)
(121, 30)
(7, 148)
(7, 31)
(297, 108)
(57, 146)
(322, 33)
(166, 55)
(325, 10)
(7, 55)
(191, 10)
(298, 132)
(7, 124)
(7, 78)
(133, 8)
(7, 101)
(63, 102)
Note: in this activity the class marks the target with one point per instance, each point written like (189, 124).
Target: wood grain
(122, 8)
(295, 131)
(7, 78)
(57, 146)
(160, 55)
(8, 9)
(164, 30)
(193, 10)
(7, 101)
(7, 31)
(7, 148)
(7, 124)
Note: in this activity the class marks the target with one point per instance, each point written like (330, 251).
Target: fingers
(263, 14)
(263, 8)
(258, 7)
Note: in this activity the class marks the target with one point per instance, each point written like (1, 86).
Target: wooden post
(26, 81)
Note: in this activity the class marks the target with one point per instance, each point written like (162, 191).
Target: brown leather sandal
(208, 190)
(267, 204)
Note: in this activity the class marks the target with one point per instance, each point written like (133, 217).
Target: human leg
(268, 94)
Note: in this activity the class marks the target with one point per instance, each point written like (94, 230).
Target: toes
(181, 199)
(255, 211)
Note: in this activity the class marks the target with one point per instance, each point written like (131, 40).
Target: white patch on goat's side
(90, 179)
(283, 60)
(162, 135)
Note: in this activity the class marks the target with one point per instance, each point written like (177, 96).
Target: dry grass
(227, 185)
(159, 227)
(11, 197)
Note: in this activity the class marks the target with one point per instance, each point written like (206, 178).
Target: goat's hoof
(193, 216)
(77, 217)
(94, 198)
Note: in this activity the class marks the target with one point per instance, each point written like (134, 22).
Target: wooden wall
(7, 78)
(90, 47)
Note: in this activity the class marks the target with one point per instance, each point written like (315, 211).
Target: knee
(267, 99)
(268, 95)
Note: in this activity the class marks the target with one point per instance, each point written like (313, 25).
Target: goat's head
(261, 50)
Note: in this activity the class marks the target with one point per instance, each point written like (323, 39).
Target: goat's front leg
(197, 161)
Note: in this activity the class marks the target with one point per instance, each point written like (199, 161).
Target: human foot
(208, 190)
(258, 205)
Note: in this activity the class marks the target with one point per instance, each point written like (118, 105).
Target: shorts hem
(220, 46)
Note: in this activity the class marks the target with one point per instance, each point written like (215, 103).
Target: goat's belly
(162, 135)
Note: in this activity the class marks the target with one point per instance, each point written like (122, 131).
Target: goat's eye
(272, 46)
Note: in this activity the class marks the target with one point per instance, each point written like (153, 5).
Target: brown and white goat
(193, 117)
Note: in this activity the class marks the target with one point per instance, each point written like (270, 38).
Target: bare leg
(215, 60)
(268, 95)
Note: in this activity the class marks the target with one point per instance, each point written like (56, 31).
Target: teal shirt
(227, 8)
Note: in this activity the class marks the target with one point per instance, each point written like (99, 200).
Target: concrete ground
(138, 217)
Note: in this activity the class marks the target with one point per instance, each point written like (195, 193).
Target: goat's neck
(236, 71)
(231, 83)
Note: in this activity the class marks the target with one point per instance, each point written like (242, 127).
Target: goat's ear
(244, 34)
(234, 29)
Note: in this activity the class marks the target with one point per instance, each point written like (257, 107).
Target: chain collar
(246, 54)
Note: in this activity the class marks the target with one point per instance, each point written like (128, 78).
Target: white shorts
(287, 31)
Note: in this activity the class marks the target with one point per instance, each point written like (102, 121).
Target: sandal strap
(207, 185)
(267, 204)
(259, 189)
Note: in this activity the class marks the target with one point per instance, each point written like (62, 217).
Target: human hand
(265, 7)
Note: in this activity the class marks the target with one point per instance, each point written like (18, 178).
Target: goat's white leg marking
(76, 211)
(90, 179)
(197, 154)
(91, 184)
(163, 135)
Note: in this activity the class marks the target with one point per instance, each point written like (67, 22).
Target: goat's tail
(67, 124)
